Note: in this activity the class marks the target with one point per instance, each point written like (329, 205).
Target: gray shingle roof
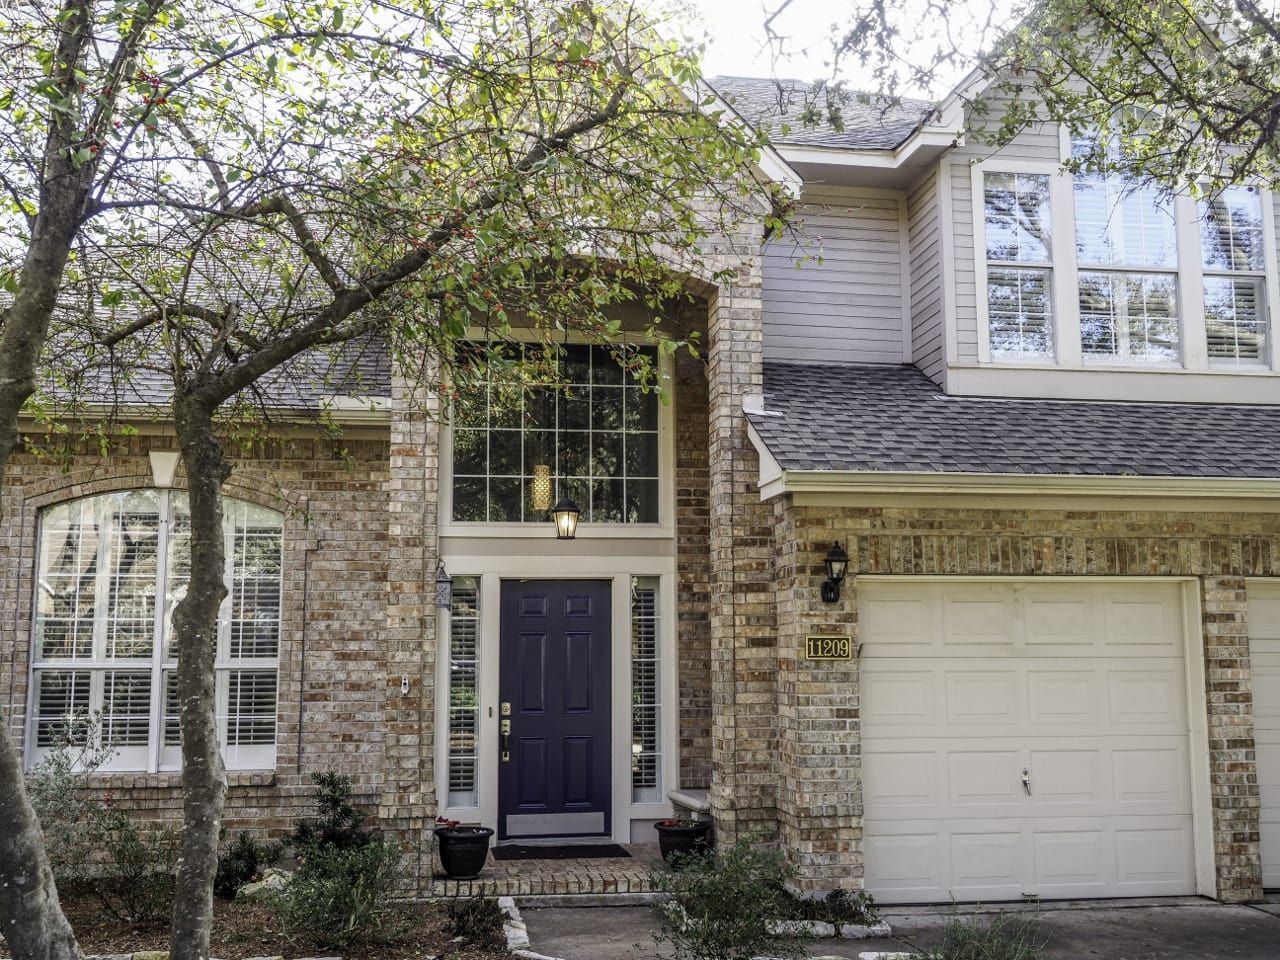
(875, 419)
(773, 105)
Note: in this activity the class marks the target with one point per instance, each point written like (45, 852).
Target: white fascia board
(772, 163)
(353, 411)
(893, 159)
(854, 482)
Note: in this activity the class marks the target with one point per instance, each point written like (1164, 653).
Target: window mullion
(1195, 337)
(155, 735)
(1064, 280)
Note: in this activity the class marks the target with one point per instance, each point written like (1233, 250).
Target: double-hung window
(1019, 265)
(111, 569)
(1127, 263)
(1235, 278)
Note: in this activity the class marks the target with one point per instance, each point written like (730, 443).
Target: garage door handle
(1026, 780)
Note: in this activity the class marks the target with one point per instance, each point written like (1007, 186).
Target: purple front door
(554, 673)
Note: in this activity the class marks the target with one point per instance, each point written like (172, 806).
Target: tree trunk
(195, 624)
(31, 918)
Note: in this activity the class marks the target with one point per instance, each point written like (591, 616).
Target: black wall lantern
(837, 563)
(566, 513)
(444, 588)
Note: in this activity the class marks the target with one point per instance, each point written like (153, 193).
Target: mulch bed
(251, 930)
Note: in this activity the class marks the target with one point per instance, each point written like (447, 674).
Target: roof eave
(342, 410)
(854, 483)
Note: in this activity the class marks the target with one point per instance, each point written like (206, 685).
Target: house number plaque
(828, 648)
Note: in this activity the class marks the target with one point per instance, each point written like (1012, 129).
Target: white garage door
(1024, 739)
(1264, 654)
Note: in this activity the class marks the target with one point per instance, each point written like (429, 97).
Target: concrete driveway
(1181, 929)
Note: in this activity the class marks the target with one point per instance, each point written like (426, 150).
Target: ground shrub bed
(839, 906)
(254, 930)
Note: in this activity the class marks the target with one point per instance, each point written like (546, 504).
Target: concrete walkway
(1176, 929)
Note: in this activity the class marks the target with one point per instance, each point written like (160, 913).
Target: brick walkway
(510, 878)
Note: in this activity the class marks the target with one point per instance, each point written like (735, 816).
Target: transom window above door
(587, 430)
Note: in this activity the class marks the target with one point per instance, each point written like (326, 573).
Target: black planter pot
(678, 841)
(463, 850)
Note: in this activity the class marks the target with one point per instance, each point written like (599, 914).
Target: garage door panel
(900, 698)
(1264, 652)
(980, 778)
(968, 619)
(1079, 691)
(899, 779)
(987, 864)
(1072, 863)
(981, 697)
(1145, 697)
(907, 867)
(1153, 858)
(1056, 697)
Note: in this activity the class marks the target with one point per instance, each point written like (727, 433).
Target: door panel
(966, 686)
(554, 672)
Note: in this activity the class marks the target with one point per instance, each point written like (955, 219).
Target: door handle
(505, 729)
(1026, 780)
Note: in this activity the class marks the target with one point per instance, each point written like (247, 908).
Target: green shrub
(720, 906)
(478, 922)
(241, 863)
(341, 896)
(135, 884)
(91, 841)
(1005, 936)
(839, 906)
(340, 826)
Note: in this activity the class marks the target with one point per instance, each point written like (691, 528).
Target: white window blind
(1019, 265)
(103, 645)
(464, 691)
(646, 695)
(1127, 256)
(1231, 242)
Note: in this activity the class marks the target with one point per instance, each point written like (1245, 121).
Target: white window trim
(490, 571)
(663, 529)
(1193, 338)
(159, 758)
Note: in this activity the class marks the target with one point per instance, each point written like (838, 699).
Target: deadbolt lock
(505, 709)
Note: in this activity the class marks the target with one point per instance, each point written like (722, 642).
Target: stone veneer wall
(332, 711)
(693, 572)
(820, 802)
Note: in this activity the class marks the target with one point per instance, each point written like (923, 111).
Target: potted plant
(680, 837)
(463, 849)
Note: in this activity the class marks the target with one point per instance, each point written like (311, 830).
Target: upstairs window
(1231, 245)
(1127, 259)
(111, 570)
(590, 433)
(1019, 265)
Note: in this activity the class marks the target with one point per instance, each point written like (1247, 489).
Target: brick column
(408, 802)
(820, 795)
(743, 652)
(1233, 772)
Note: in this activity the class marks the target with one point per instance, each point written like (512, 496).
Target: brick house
(1039, 416)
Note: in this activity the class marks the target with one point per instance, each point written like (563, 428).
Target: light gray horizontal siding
(845, 304)
(925, 250)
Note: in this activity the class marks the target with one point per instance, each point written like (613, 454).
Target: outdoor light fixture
(837, 563)
(540, 487)
(566, 516)
(444, 588)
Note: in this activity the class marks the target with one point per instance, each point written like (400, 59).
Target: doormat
(568, 851)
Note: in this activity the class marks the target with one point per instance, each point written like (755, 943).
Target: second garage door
(1264, 655)
(1024, 739)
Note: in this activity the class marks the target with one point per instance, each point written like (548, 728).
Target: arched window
(111, 569)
